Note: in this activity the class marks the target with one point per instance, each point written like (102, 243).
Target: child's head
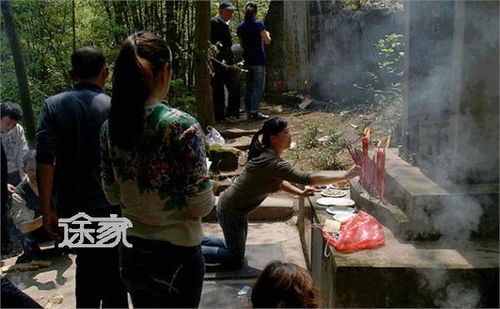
(285, 285)
(29, 161)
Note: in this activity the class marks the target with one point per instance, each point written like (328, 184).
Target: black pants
(158, 274)
(98, 280)
(12, 297)
(231, 79)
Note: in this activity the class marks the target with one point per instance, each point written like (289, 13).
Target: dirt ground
(348, 122)
(53, 287)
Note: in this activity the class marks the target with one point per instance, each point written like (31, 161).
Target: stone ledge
(387, 213)
(406, 183)
(417, 254)
(422, 199)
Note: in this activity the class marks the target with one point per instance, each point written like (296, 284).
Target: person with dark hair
(285, 285)
(223, 75)
(253, 35)
(26, 214)
(68, 168)
(154, 166)
(265, 172)
(86, 63)
(14, 141)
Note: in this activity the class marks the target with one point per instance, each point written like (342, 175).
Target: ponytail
(250, 11)
(130, 91)
(271, 127)
(140, 59)
(256, 147)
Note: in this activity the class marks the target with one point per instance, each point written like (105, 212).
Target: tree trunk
(22, 79)
(203, 90)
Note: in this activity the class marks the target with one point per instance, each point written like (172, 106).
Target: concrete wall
(325, 44)
(343, 46)
(451, 90)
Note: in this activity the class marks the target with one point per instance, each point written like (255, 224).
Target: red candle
(364, 145)
(381, 172)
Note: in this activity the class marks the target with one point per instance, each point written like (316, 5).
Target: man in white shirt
(14, 141)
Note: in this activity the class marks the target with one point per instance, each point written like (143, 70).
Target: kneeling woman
(265, 172)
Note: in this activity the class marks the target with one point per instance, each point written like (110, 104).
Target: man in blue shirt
(253, 36)
(68, 174)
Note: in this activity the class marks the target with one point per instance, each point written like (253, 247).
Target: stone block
(223, 158)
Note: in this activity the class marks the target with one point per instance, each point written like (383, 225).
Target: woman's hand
(307, 191)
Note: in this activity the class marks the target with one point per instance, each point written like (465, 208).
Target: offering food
(342, 185)
(331, 192)
(319, 188)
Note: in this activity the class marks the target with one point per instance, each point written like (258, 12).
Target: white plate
(335, 210)
(343, 216)
(335, 201)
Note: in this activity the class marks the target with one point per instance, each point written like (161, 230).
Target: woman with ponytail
(154, 167)
(266, 172)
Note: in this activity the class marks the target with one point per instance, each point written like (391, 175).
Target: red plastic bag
(360, 232)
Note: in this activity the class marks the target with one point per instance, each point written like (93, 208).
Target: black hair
(250, 10)
(272, 126)
(12, 110)
(87, 62)
(141, 57)
(285, 285)
(30, 156)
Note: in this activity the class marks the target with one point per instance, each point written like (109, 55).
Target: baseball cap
(227, 5)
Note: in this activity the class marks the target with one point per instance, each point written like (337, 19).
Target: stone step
(236, 133)
(241, 143)
(226, 175)
(271, 209)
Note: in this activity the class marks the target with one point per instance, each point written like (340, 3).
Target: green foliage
(328, 157)
(310, 138)
(385, 85)
(45, 31)
(391, 51)
(324, 155)
(361, 4)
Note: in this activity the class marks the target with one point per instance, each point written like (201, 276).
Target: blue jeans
(255, 83)
(159, 274)
(231, 252)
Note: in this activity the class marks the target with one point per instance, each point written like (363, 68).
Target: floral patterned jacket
(157, 182)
